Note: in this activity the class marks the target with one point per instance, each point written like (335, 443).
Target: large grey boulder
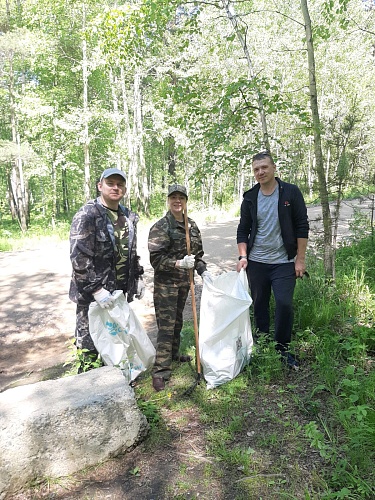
(57, 427)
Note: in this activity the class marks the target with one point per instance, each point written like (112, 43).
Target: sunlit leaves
(127, 32)
(332, 11)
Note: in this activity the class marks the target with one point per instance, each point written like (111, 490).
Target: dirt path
(37, 317)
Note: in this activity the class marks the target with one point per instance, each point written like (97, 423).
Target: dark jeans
(281, 279)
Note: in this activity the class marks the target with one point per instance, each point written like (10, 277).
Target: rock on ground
(58, 427)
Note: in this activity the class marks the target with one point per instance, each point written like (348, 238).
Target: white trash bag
(225, 339)
(120, 338)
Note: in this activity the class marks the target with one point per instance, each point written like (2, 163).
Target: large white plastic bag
(120, 338)
(225, 339)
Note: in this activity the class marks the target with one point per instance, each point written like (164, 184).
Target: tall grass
(340, 318)
(263, 426)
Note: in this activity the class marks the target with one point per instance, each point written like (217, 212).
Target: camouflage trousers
(82, 333)
(169, 302)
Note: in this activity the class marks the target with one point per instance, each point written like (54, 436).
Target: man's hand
(104, 298)
(300, 263)
(300, 267)
(241, 264)
(187, 262)
(140, 290)
(206, 277)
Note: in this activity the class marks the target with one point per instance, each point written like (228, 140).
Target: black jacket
(292, 217)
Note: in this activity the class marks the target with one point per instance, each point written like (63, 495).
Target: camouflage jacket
(92, 252)
(167, 243)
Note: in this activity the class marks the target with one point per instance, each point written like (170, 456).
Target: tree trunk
(328, 163)
(329, 262)
(372, 219)
(65, 194)
(86, 138)
(116, 117)
(142, 190)
(241, 185)
(171, 147)
(18, 192)
(129, 135)
(54, 191)
(210, 197)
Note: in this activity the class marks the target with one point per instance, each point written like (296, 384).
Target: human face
(112, 189)
(176, 202)
(264, 172)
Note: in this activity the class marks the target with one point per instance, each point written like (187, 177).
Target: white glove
(206, 276)
(187, 262)
(140, 290)
(104, 298)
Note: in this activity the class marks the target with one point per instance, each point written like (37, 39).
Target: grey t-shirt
(268, 247)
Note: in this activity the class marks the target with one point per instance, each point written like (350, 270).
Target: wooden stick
(193, 303)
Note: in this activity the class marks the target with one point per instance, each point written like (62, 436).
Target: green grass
(269, 433)
(306, 435)
(12, 239)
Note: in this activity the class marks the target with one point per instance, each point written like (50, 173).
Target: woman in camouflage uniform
(168, 257)
(103, 252)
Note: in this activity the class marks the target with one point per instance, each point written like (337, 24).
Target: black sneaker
(289, 360)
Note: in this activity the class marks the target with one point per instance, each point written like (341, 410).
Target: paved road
(37, 318)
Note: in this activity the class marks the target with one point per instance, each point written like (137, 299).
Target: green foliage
(261, 428)
(265, 362)
(196, 91)
(360, 225)
(151, 411)
(135, 472)
(5, 240)
(343, 358)
(130, 30)
(40, 230)
(79, 360)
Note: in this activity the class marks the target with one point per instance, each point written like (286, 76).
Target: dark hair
(262, 155)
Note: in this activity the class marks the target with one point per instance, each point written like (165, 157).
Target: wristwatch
(242, 257)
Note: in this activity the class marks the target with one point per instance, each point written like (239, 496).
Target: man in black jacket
(272, 239)
(103, 253)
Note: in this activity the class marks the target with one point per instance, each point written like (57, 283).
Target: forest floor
(36, 321)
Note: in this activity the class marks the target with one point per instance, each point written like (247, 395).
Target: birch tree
(329, 262)
(241, 32)
(15, 47)
(86, 117)
(128, 33)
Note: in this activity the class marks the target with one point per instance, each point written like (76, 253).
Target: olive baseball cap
(112, 171)
(177, 188)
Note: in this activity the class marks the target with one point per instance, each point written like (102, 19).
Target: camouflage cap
(177, 188)
(112, 171)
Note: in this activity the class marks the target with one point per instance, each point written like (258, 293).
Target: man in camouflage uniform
(168, 256)
(103, 252)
